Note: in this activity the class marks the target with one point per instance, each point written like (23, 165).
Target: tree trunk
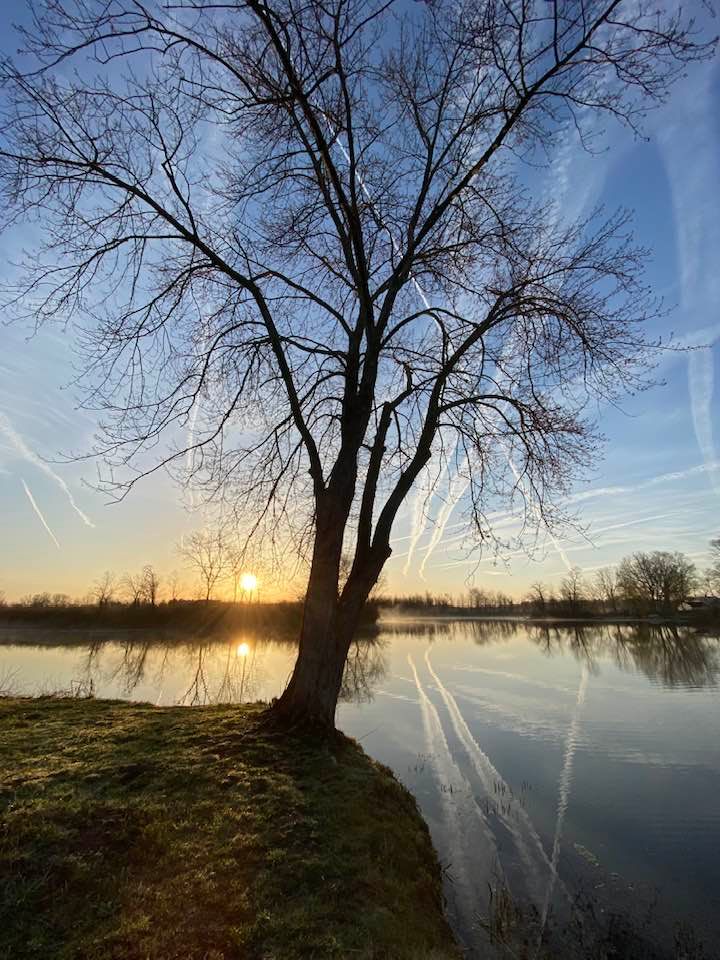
(310, 698)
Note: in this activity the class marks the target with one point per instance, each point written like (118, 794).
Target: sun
(248, 582)
(243, 649)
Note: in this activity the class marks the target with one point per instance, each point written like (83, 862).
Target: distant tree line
(645, 583)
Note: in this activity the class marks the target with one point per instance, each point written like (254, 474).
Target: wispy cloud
(18, 443)
(40, 516)
(644, 484)
(691, 164)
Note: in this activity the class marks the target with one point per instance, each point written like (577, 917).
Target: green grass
(130, 831)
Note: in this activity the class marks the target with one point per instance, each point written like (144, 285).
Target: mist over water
(569, 775)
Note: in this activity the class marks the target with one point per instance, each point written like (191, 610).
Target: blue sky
(657, 487)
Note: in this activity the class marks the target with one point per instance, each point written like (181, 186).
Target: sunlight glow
(243, 649)
(248, 582)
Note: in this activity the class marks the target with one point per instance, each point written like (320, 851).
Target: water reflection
(673, 656)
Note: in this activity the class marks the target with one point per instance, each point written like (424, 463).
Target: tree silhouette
(656, 581)
(713, 571)
(307, 264)
(104, 589)
(206, 551)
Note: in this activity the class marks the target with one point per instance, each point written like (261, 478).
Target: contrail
(700, 384)
(419, 520)
(423, 497)
(37, 510)
(490, 777)
(442, 521)
(7, 429)
(563, 796)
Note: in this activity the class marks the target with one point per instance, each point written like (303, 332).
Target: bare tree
(207, 553)
(104, 589)
(537, 596)
(656, 581)
(133, 586)
(150, 584)
(235, 567)
(712, 574)
(477, 598)
(299, 235)
(606, 587)
(572, 589)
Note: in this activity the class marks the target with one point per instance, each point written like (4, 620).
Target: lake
(570, 775)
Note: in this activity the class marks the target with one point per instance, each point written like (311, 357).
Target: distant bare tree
(206, 552)
(104, 589)
(656, 581)
(477, 598)
(606, 587)
(537, 596)
(572, 589)
(132, 586)
(712, 574)
(300, 234)
(235, 565)
(150, 584)
(61, 600)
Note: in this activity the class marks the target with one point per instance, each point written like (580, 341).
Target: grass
(131, 832)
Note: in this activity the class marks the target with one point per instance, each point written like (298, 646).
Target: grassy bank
(130, 831)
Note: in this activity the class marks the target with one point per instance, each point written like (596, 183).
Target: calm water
(570, 777)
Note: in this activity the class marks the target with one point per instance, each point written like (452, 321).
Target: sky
(657, 486)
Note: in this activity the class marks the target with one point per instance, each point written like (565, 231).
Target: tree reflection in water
(666, 653)
(671, 654)
(220, 670)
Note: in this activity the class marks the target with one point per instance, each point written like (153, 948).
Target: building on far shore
(701, 603)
